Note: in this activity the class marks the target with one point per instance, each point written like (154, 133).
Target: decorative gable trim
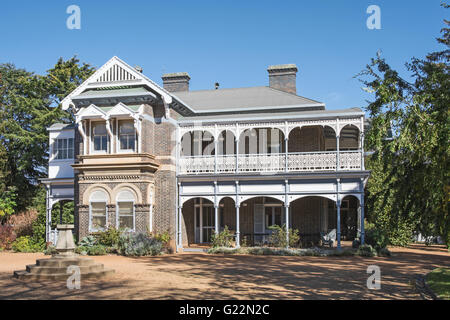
(120, 109)
(116, 73)
(90, 112)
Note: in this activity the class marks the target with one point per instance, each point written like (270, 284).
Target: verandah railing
(272, 163)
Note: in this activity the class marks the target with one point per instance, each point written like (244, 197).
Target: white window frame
(54, 149)
(105, 201)
(92, 145)
(118, 147)
(133, 201)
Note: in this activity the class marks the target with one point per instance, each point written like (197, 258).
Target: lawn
(439, 282)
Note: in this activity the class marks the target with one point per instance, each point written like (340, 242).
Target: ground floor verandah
(312, 216)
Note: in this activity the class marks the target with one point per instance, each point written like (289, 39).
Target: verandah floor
(203, 276)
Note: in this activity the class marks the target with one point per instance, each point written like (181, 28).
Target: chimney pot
(283, 77)
(178, 81)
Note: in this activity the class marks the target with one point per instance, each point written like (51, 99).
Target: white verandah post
(338, 218)
(216, 210)
(238, 204)
(361, 204)
(286, 211)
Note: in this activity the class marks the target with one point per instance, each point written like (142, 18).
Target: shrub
(109, 237)
(223, 239)
(95, 250)
(278, 237)
(163, 237)
(88, 241)
(376, 237)
(7, 236)
(25, 244)
(23, 222)
(138, 244)
(244, 242)
(50, 250)
(366, 250)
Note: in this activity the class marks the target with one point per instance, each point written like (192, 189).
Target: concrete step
(24, 275)
(195, 249)
(59, 262)
(35, 269)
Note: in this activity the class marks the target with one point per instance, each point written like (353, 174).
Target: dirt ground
(203, 276)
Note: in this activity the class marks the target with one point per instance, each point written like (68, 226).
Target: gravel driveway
(203, 276)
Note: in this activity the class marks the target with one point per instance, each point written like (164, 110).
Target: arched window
(97, 211)
(125, 210)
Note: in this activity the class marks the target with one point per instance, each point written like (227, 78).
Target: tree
(30, 103)
(408, 187)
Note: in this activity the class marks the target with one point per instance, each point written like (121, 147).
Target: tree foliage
(29, 103)
(409, 183)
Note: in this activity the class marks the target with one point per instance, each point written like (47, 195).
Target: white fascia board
(268, 118)
(263, 108)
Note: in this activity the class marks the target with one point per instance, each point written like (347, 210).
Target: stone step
(24, 275)
(35, 269)
(59, 262)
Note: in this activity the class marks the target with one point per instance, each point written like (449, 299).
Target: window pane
(125, 208)
(123, 142)
(126, 215)
(98, 213)
(126, 222)
(126, 128)
(98, 208)
(104, 143)
(100, 129)
(97, 143)
(98, 222)
(131, 142)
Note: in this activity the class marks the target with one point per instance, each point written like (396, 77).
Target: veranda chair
(329, 238)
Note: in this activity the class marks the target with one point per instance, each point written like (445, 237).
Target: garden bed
(318, 252)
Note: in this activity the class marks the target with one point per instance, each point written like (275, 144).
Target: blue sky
(230, 42)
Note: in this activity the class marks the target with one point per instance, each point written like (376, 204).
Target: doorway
(204, 221)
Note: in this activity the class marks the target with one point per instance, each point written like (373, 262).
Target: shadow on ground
(202, 276)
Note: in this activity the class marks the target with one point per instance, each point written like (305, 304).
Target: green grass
(439, 281)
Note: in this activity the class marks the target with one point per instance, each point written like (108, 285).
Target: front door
(204, 222)
(208, 223)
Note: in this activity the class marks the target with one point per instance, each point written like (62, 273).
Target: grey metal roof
(237, 99)
(113, 93)
(271, 115)
(61, 126)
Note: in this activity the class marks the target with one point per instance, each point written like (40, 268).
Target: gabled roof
(91, 112)
(245, 99)
(120, 109)
(116, 73)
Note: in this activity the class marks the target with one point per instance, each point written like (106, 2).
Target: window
(100, 137)
(126, 215)
(125, 210)
(127, 135)
(98, 211)
(98, 215)
(63, 149)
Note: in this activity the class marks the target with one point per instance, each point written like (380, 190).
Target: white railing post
(237, 155)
